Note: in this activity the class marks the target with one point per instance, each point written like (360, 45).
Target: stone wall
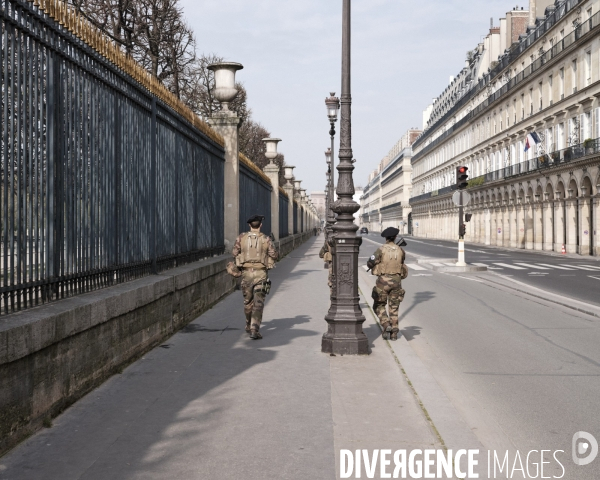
(53, 355)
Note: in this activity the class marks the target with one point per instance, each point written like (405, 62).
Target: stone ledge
(29, 331)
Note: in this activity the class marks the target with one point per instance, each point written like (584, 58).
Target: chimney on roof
(532, 10)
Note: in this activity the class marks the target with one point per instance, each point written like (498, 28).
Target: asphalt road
(523, 373)
(577, 278)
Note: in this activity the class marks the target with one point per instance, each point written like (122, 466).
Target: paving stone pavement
(212, 404)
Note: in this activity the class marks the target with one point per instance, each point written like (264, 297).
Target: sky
(403, 53)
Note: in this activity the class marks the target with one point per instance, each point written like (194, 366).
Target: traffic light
(461, 177)
(468, 217)
(462, 230)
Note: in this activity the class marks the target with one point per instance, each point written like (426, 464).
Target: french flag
(535, 139)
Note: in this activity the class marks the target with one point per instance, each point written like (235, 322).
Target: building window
(597, 123)
(574, 75)
(550, 147)
(560, 136)
(561, 83)
(588, 67)
(531, 101)
(587, 126)
(515, 110)
(522, 106)
(550, 93)
(540, 86)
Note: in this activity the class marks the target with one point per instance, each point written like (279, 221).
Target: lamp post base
(339, 343)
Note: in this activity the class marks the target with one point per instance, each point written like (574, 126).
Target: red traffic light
(462, 177)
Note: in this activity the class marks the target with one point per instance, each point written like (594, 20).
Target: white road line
(450, 264)
(438, 264)
(510, 266)
(581, 267)
(536, 267)
(591, 276)
(591, 266)
(485, 265)
(365, 267)
(554, 266)
(414, 266)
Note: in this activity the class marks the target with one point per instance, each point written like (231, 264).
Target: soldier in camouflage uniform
(254, 254)
(388, 264)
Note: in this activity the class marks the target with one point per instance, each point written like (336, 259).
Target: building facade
(528, 127)
(385, 199)
(319, 201)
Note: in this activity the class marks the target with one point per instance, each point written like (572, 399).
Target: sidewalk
(212, 404)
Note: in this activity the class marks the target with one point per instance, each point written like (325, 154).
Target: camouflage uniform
(388, 264)
(254, 254)
(326, 255)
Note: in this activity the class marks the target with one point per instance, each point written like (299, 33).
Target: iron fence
(100, 182)
(296, 222)
(255, 197)
(283, 215)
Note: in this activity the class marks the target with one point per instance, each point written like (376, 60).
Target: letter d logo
(589, 447)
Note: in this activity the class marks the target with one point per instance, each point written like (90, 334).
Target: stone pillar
(538, 225)
(487, 226)
(559, 222)
(499, 225)
(520, 225)
(548, 225)
(289, 190)
(227, 124)
(596, 215)
(272, 171)
(528, 223)
(585, 226)
(505, 226)
(513, 225)
(571, 240)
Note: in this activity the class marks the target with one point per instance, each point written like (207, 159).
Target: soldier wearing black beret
(388, 264)
(254, 255)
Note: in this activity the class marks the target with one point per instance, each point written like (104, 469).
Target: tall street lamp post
(328, 195)
(344, 334)
(333, 105)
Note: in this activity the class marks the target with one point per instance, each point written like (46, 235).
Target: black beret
(256, 218)
(390, 232)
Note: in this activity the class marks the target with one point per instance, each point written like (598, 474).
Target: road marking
(510, 266)
(450, 264)
(438, 264)
(538, 273)
(536, 267)
(581, 267)
(591, 276)
(422, 275)
(485, 265)
(414, 266)
(591, 266)
(365, 267)
(554, 266)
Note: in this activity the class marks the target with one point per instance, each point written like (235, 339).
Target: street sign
(461, 198)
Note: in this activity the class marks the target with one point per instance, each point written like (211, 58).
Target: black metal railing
(296, 219)
(101, 182)
(540, 162)
(255, 197)
(284, 205)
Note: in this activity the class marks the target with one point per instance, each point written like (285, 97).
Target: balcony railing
(541, 162)
(504, 61)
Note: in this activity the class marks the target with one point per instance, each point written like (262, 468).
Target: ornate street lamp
(333, 105)
(344, 319)
(328, 193)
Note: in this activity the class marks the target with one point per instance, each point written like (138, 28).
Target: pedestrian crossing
(532, 267)
(538, 266)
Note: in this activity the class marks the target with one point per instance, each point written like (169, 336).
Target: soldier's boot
(387, 329)
(248, 321)
(394, 334)
(254, 333)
